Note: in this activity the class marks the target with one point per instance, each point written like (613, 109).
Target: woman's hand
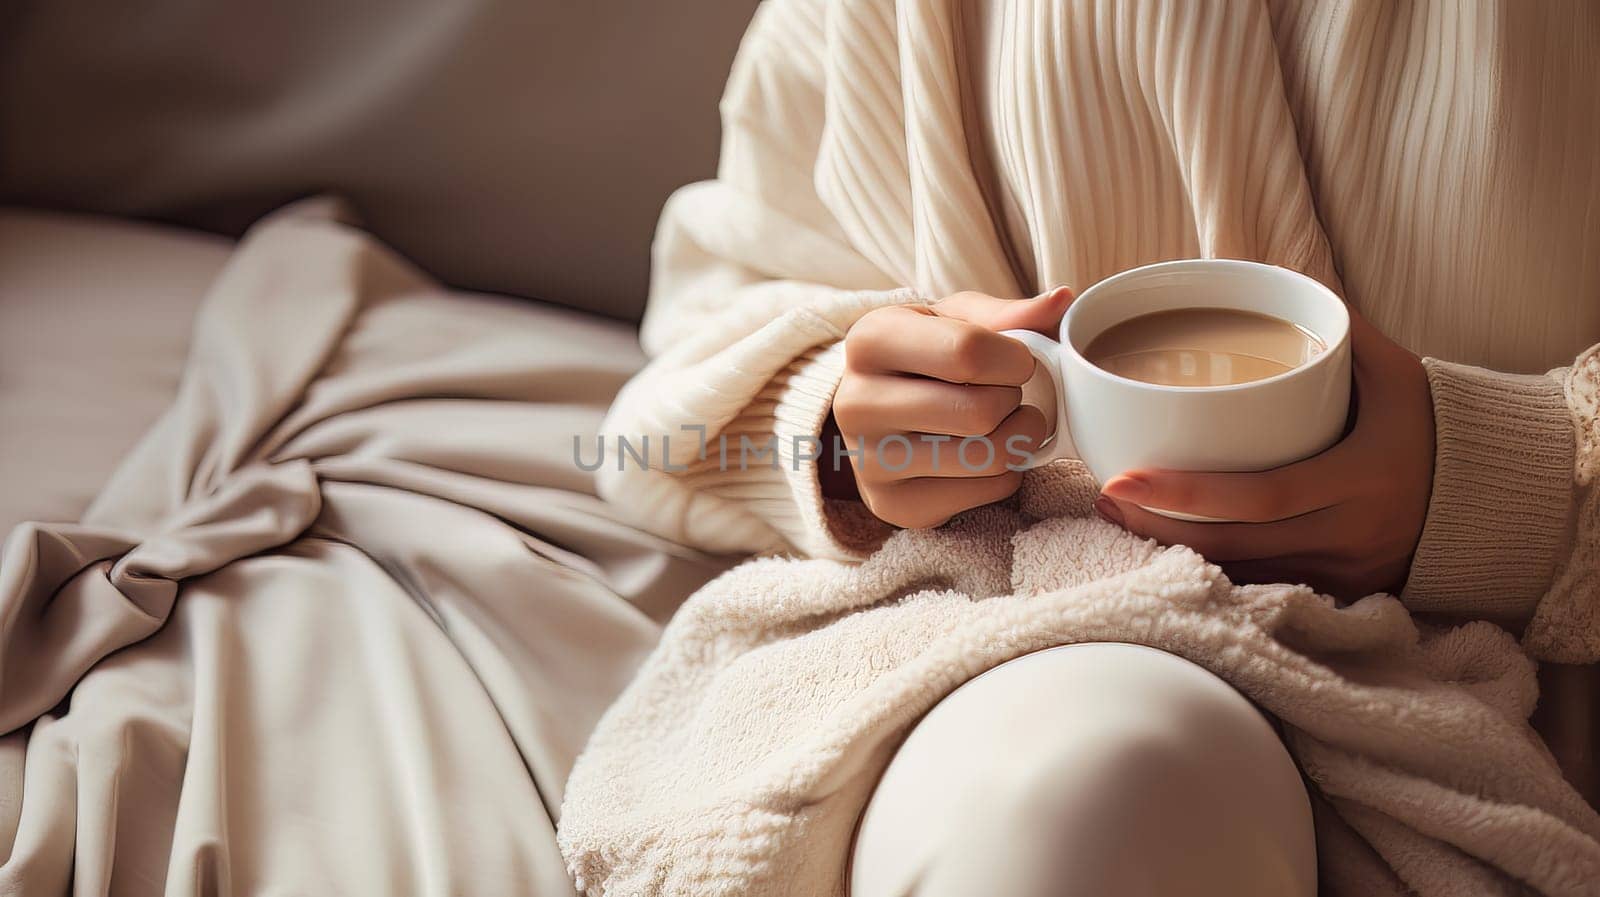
(917, 381)
(1345, 521)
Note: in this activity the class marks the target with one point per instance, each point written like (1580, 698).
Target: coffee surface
(1202, 347)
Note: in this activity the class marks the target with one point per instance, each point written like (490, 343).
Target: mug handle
(1045, 391)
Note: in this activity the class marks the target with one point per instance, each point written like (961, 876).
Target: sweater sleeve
(754, 283)
(1513, 525)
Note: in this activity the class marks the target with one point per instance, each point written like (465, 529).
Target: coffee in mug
(1273, 388)
(1203, 347)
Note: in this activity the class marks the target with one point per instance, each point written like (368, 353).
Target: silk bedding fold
(341, 621)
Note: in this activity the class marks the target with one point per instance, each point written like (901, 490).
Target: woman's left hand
(1345, 521)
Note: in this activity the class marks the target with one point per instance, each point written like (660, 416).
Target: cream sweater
(1436, 164)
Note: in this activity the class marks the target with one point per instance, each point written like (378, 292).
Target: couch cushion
(512, 146)
(94, 325)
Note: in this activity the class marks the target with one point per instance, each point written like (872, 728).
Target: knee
(1188, 792)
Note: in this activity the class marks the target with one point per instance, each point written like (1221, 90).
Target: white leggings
(1100, 769)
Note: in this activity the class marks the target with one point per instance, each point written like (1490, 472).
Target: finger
(904, 456)
(916, 341)
(1041, 313)
(877, 405)
(1291, 570)
(1222, 541)
(1390, 385)
(1254, 497)
(1365, 339)
(1326, 575)
(926, 502)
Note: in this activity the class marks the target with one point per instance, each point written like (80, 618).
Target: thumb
(1041, 313)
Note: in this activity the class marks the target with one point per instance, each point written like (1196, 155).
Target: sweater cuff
(820, 527)
(1502, 491)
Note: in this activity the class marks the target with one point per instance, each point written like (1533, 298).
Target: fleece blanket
(342, 621)
(740, 758)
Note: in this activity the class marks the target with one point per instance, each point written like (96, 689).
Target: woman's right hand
(917, 381)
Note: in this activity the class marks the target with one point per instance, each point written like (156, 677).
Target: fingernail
(1128, 488)
(1108, 510)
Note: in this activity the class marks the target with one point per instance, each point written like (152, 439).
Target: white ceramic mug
(1115, 424)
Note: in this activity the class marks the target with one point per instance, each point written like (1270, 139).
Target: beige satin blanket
(342, 620)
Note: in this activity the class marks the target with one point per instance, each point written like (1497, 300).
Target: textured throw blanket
(739, 759)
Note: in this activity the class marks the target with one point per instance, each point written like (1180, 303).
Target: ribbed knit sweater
(1436, 163)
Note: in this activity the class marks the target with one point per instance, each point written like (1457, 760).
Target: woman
(1433, 163)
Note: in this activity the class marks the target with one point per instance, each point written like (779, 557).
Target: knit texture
(877, 152)
(791, 409)
(1502, 492)
(740, 758)
(1566, 624)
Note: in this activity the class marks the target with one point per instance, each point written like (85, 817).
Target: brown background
(505, 145)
